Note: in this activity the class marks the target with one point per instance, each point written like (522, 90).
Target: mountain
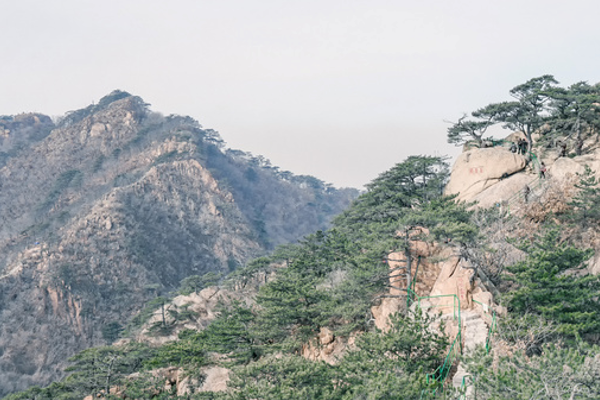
(112, 206)
(479, 283)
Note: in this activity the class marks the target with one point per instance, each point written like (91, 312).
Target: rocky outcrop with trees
(416, 291)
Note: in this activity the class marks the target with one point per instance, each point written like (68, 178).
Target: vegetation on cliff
(565, 116)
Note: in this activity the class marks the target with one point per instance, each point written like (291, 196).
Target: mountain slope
(115, 205)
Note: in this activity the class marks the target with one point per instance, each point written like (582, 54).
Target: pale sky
(338, 89)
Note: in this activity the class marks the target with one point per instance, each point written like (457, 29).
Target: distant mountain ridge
(113, 205)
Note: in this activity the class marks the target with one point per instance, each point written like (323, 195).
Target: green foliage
(146, 385)
(575, 114)
(93, 370)
(191, 284)
(256, 271)
(231, 334)
(111, 331)
(560, 115)
(585, 205)
(291, 303)
(526, 114)
(146, 313)
(390, 196)
(392, 365)
(446, 220)
(56, 391)
(386, 365)
(558, 373)
(188, 352)
(228, 334)
(332, 276)
(287, 377)
(549, 285)
(465, 130)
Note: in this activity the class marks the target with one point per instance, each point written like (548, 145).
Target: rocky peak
(114, 206)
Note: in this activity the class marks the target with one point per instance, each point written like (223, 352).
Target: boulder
(504, 189)
(477, 169)
(382, 311)
(594, 263)
(216, 379)
(564, 169)
(331, 353)
(326, 336)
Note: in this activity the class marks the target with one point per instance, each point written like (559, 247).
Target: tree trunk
(408, 273)
(529, 143)
(578, 138)
(108, 377)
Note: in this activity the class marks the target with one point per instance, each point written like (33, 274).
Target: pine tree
(558, 373)
(586, 203)
(549, 284)
(392, 364)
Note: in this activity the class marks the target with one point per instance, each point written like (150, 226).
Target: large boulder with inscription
(478, 169)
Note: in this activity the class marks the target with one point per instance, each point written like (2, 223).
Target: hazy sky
(338, 89)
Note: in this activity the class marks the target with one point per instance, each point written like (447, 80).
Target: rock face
(445, 284)
(19, 132)
(494, 176)
(327, 347)
(113, 206)
(477, 169)
(201, 305)
(439, 272)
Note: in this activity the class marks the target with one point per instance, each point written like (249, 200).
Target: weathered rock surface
(504, 189)
(202, 306)
(477, 169)
(327, 347)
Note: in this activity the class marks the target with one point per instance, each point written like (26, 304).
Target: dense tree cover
(549, 285)
(559, 114)
(575, 113)
(558, 373)
(390, 196)
(331, 277)
(94, 371)
(585, 212)
(386, 365)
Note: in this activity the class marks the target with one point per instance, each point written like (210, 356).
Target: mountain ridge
(114, 206)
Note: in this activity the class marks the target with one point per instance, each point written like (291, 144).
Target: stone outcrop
(447, 288)
(477, 169)
(493, 176)
(455, 278)
(439, 272)
(327, 347)
(202, 308)
(425, 271)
